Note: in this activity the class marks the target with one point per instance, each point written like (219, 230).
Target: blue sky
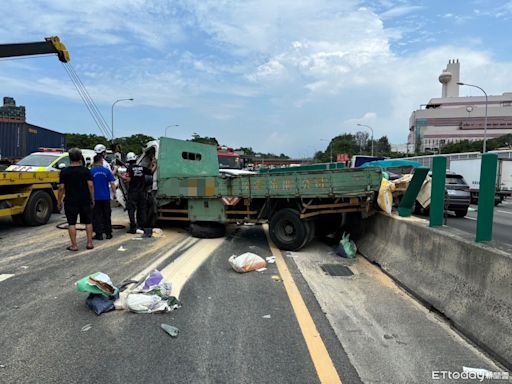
(277, 75)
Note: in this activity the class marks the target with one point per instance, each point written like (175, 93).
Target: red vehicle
(228, 158)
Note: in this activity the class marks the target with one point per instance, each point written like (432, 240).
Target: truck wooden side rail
(29, 197)
(188, 187)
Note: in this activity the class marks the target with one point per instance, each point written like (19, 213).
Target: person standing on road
(102, 179)
(76, 189)
(101, 150)
(137, 191)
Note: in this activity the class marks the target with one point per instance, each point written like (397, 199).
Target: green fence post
(410, 195)
(486, 197)
(438, 191)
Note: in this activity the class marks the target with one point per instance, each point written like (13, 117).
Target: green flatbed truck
(189, 187)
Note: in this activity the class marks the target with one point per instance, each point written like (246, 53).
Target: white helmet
(130, 156)
(100, 148)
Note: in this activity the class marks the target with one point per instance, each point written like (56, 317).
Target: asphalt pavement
(502, 227)
(234, 328)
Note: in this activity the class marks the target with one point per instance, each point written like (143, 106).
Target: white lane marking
(499, 210)
(5, 276)
(144, 273)
(181, 269)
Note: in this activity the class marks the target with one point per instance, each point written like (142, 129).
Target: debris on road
(139, 232)
(151, 303)
(157, 232)
(97, 283)
(270, 259)
(100, 304)
(121, 249)
(266, 316)
(247, 262)
(172, 331)
(347, 248)
(276, 278)
(261, 269)
(86, 327)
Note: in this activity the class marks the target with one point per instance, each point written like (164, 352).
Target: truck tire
(207, 230)
(310, 232)
(38, 209)
(461, 212)
(287, 230)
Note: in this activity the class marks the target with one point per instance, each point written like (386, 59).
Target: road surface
(291, 323)
(502, 228)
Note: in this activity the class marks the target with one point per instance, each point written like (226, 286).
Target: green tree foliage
(477, 146)
(133, 143)
(205, 140)
(84, 141)
(353, 144)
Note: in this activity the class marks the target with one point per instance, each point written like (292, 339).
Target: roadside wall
(471, 284)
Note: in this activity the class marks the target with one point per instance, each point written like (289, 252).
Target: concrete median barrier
(469, 283)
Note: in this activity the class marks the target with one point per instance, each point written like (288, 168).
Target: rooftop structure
(452, 118)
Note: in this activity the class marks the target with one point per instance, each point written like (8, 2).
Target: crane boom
(50, 45)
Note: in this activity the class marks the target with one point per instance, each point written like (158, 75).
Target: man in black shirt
(137, 191)
(77, 190)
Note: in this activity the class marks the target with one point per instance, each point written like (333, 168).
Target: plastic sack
(247, 262)
(347, 248)
(141, 303)
(98, 283)
(385, 198)
(99, 303)
(155, 282)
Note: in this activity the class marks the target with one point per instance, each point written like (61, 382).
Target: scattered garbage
(385, 197)
(97, 283)
(121, 249)
(157, 232)
(2, 366)
(24, 267)
(155, 283)
(144, 303)
(86, 327)
(266, 316)
(276, 278)
(139, 232)
(270, 259)
(171, 330)
(100, 304)
(261, 269)
(247, 262)
(347, 248)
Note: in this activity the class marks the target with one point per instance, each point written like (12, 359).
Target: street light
(485, 120)
(371, 129)
(169, 126)
(330, 145)
(112, 113)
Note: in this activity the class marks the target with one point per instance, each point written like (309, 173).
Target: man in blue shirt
(102, 179)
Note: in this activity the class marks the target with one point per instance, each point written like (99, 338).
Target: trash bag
(98, 283)
(151, 303)
(385, 198)
(347, 248)
(155, 282)
(247, 262)
(99, 303)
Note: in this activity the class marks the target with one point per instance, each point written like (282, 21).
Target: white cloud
(400, 11)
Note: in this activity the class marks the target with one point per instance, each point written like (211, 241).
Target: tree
(133, 143)
(84, 141)
(382, 146)
(205, 140)
(361, 139)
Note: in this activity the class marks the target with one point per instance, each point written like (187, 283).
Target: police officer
(137, 191)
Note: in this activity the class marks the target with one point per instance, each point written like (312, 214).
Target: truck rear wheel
(38, 209)
(207, 230)
(288, 231)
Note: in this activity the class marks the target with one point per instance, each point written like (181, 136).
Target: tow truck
(30, 197)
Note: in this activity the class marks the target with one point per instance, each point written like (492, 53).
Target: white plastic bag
(141, 303)
(247, 262)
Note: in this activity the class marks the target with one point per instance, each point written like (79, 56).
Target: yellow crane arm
(50, 45)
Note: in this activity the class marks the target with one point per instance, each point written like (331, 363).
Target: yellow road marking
(322, 361)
